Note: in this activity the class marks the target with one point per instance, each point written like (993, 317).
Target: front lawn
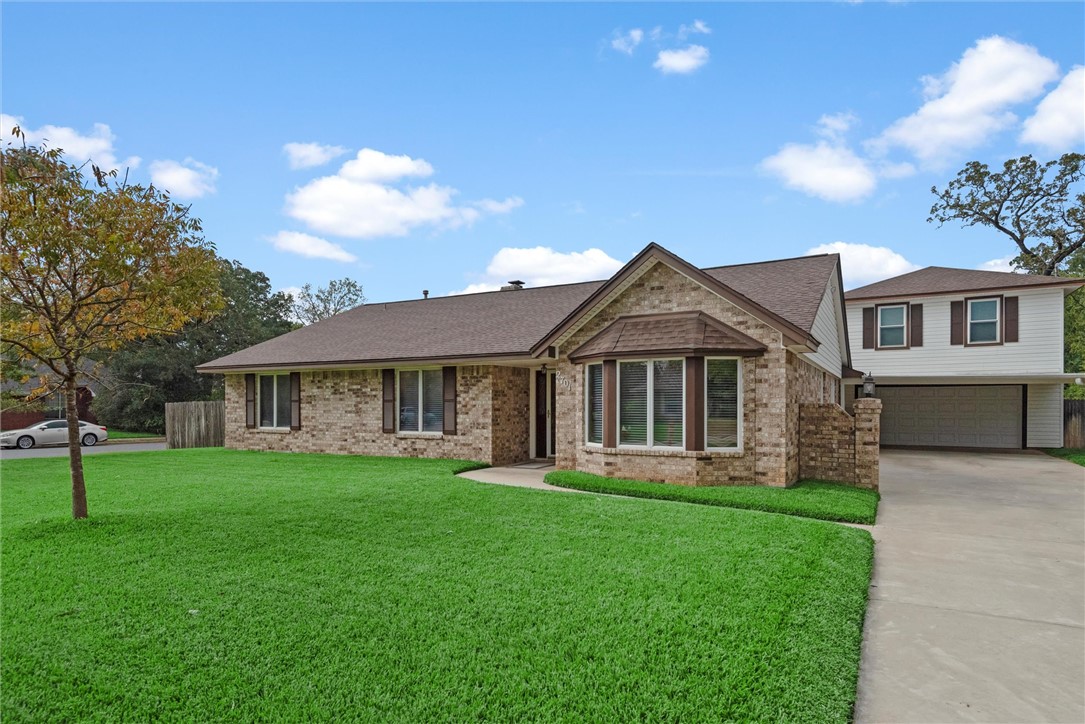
(1073, 454)
(809, 499)
(222, 585)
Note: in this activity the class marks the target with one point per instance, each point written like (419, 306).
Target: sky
(452, 147)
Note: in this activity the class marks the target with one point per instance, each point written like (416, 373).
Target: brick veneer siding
(770, 435)
(836, 446)
(341, 413)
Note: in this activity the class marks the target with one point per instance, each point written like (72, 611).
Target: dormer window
(892, 321)
(983, 321)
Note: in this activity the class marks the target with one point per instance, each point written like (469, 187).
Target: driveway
(62, 452)
(977, 606)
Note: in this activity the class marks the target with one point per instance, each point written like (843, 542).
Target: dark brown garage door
(977, 416)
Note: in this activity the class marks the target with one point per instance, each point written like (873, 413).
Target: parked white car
(52, 432)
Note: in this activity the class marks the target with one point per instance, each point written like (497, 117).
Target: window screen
(633, 403)
(595, 403)
(721, 388)
(667, 411)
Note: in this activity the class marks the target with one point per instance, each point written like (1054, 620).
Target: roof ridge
(772, 261)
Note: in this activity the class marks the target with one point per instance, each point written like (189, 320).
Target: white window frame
(587, 403)
(649, 434)
(274, 402)
(997, 320)
(903, 326)
(738, 406)
(421, 398)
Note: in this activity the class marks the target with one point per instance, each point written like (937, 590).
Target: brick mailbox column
(868, 416)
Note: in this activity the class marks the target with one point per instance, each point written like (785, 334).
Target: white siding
(1044, 416)
(1038, 351)
(828, 329)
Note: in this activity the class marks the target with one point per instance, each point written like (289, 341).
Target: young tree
(86, 269)
(1045, 217)
(147, 373)
(339, 296)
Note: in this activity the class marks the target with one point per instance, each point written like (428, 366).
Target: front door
(545, 398)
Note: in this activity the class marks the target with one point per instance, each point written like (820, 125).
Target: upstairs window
(983, 322)
(421, 401)
(891, 326)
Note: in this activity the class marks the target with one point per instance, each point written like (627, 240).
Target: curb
(132, 440)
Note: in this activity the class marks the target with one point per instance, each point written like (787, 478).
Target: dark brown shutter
(295, 400)
(915, 314)
(610, 403)
(695, 420)
(956, 322)
(450, 400)
(250, 400)
(1009, 311)
(869, 329)
(388, 398)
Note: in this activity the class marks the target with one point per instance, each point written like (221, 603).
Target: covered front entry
(543, 406)
(984, 416)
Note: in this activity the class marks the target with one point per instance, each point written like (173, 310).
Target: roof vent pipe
(513, 285)
(425, 293)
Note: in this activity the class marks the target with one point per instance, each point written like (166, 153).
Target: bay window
(651, 403)
(594, 406)
(723, 395)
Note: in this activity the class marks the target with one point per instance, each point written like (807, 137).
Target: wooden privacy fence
(196, 424)
(1073, 423)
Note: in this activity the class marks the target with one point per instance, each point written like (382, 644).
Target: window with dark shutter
(915, 314)
(250, 400)
(388, 400)
(956, 322)
(869, 328)
(1010, 311)
(295, 400)
(449, 400)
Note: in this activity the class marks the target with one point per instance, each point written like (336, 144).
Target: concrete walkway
(525, 475)
(977, 606)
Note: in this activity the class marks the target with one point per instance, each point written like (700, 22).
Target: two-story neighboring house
(964, 358)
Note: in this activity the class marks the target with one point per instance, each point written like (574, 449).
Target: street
(62, 451)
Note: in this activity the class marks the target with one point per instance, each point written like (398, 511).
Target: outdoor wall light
(868, 385)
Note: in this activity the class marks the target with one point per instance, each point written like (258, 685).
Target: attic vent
(513, 285)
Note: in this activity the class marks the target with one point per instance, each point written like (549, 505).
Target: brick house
(664, 372)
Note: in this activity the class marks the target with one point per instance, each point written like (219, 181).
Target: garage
(986, 416)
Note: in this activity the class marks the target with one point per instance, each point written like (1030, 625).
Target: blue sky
(452, 147)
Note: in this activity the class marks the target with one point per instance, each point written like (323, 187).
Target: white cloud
(188, 179)
(970, 102)
(359, 201)
(1005, 264)
(295, 242)
(627, 42)
(500, 207)
(1059, 121)
(308, 155)
(371, 166)
(699, 27)
(828, 171)
(863, 264)
(95, 146)
(292, 291)
(834, 126)
(684, 60)
(542, 266)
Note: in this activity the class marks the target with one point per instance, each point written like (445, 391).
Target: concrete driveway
(977, 606)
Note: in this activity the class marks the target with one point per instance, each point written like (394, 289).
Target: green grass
(809, 499)
(214, 585)
(125, 435)
(1073, 454)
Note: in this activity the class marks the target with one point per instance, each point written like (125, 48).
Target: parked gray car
(52, 432)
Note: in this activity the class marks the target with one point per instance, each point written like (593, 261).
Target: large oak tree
(89, 265)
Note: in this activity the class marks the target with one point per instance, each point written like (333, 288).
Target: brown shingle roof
(678, 333)
(945, 280)
(502, 324)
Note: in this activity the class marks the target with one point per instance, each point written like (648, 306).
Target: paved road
(62, 452)
(977, 606)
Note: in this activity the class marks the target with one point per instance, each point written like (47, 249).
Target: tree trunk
(75, 453)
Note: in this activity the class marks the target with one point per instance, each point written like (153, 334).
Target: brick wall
(341, 413)
(836, 446)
